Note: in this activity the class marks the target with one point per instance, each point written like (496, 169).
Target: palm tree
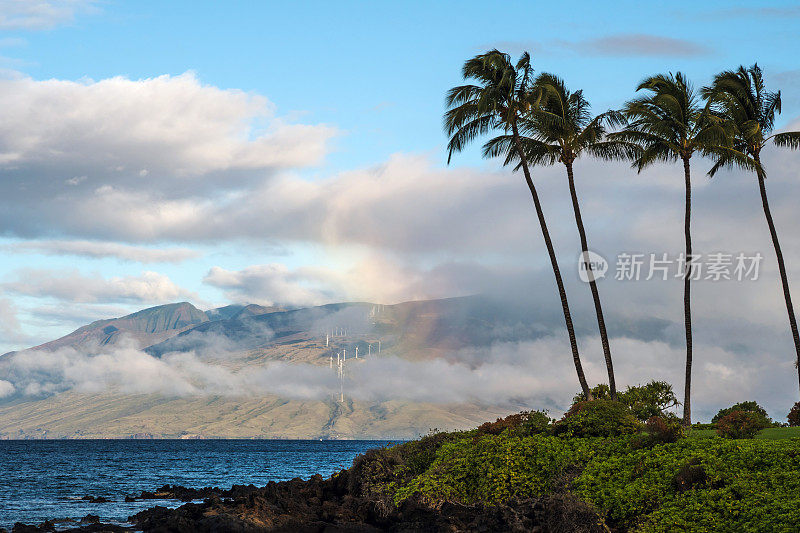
(670, 125)
(560, 130)
(751, 110)
(502, 95)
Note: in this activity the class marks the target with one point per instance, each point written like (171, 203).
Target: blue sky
(378, 70)
(356, 201)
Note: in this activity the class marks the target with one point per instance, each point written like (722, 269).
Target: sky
(292, 153)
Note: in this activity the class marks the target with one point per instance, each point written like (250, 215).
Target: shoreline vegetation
(607, 465)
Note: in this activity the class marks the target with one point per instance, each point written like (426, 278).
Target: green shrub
(376, 469)
(653, 399)
(662, 430)
(493, 469)
(597, 418)
(794, 415)
(501, 424)
(522, 423)
(373, 470)
(644, 401)
(740, 425)
(537, 422)
(750, 407)
(417, 455)
(599, 392)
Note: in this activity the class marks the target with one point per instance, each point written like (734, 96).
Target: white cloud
(271, 284)
(149, 287)
(410, 207)
(372, 278)
(6, 388)
(185, 143)
(96, 249)
(10, 329)
(177, 124)
(538, 374)
(406, 205)
(40, 14)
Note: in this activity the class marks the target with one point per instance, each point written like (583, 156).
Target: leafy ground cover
(635, 483)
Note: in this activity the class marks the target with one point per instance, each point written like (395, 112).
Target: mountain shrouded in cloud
(446, 361)
(251, 354)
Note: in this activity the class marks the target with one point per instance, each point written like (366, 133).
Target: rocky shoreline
(342, 504)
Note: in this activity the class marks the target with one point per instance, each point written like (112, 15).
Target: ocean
(46, 479)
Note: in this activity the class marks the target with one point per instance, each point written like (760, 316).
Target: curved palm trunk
(687, 307)
(781, 267)
(601, 323)
(556, 271)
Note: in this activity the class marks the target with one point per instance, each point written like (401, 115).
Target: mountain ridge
(237, 341)
(145, 327)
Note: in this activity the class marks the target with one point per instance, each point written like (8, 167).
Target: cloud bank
(149, 287)
(94, 249)
(156, 149)
(536, 373)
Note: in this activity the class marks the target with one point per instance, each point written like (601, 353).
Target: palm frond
(468, 132)
(789, 139)
(745, 102)
(654, 153)
(502, 145)
(462, 94)
(615, 150)
(727, 157)
(501, 92)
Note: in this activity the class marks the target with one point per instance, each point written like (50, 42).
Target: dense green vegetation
(750, 407)
(630, 461)
(636, 484)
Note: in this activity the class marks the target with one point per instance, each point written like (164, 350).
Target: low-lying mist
(531, 374)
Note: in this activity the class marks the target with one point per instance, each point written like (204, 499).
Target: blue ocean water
(45, 479)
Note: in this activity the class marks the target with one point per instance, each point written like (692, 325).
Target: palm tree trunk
(687, 307)
(601, 323)
(556, 271)
(781, 267)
